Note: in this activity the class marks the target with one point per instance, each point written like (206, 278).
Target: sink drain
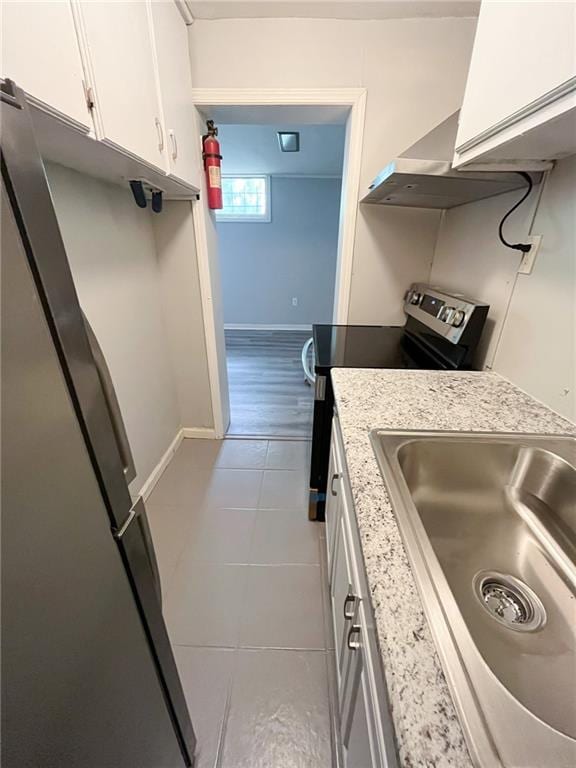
(509, 601)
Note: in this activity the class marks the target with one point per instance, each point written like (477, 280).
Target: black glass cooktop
(366, 346)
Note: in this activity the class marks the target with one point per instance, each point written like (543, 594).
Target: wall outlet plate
(527, 263)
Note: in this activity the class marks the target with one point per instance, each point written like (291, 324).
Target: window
(245, 198)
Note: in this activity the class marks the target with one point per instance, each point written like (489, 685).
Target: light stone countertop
(427, 729)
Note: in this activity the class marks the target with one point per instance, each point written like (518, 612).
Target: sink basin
(489, 526)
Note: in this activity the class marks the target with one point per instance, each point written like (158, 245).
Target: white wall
(112, 252)
(264, 265)
(414, 71)
(182, 305)
(531, 335)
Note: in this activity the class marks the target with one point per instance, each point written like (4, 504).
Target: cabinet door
(40, 53)
(171, 40)
(522, 50)
(342, 592)
(118, 36)
(357, 713)
(357, 745)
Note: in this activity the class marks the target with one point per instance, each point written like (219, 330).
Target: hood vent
(423, 177)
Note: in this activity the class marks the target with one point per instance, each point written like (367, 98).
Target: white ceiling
(332, 9)
(254, 149)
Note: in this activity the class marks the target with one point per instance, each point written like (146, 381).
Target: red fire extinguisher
(211, 156)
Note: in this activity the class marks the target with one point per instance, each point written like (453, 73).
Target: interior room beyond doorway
(278, 248)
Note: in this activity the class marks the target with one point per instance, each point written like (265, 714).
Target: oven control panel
(448, 314)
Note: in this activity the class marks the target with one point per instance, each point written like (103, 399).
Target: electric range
(441, 332)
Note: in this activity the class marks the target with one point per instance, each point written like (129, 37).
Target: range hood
(423, 177)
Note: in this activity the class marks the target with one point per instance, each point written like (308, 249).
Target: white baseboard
(202, 433)
(182, 434)
(156, 473)
(280, 327)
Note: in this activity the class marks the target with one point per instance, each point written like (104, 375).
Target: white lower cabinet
(360, 746)
(367, 738)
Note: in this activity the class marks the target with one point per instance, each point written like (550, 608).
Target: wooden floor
(268, 394)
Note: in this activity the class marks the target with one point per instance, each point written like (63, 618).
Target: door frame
(355, 100)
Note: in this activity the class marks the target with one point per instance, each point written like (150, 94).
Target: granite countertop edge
(427, 728)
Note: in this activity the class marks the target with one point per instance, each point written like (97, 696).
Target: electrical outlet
(527, 263)
(294, 301)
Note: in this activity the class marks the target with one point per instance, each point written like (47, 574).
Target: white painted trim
(199, 216)
(256, 327)
(349, 207)
(203, 433)
(199, 433)
(355, 98)
(156, 473)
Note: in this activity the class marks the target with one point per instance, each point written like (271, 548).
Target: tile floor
(243, 575)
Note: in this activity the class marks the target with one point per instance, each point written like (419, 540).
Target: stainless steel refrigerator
(88, 674)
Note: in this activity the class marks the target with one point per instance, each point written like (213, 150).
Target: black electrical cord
(524, 247)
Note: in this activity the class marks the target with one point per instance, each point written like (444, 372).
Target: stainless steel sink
(489, 526)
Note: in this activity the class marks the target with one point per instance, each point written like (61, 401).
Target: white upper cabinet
(520, 98)
(171, 39)
(118, 38)
(40, 53)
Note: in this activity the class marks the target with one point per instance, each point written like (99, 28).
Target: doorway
(263, 390)
(277, 248)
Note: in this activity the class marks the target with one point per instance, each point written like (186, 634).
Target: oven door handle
(308, 372)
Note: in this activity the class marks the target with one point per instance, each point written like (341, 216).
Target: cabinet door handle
(174, 143)
(349, 600)
(160, 135)
(354, 632)
(335, 477)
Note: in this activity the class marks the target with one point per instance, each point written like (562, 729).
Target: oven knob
(415, 297)
(458, 318)
(445, 314)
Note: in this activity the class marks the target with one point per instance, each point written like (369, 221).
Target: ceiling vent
(289, 141)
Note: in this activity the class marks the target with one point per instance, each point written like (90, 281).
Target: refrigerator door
(80, 684)
(47, 286)
(111, 403)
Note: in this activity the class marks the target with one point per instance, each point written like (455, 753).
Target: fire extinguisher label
(214, 176)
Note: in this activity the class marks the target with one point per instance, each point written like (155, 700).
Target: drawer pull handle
(354, 632)
(335, 477)
(349, 600)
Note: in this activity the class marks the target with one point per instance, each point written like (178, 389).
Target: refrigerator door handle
(138, 515)
(111, 403)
